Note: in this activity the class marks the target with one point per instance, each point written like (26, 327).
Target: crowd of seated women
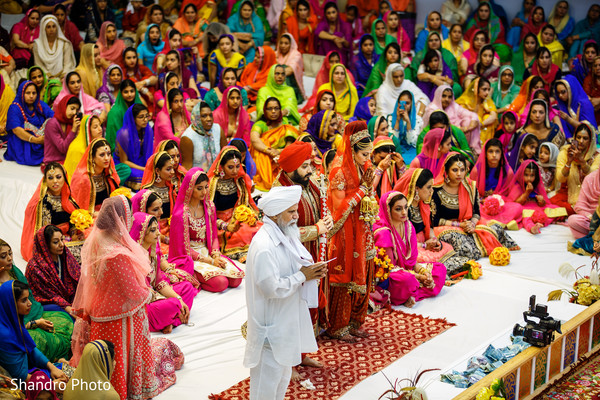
(163, 123)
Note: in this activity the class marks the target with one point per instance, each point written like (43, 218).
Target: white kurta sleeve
(269, 281)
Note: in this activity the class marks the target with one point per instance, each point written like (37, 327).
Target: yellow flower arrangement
(81, 219)
(500, 256)
(475, 270)
(122, 191)
(383, 265)
(494, 392)
(243, 213)
(588, 293)
(586, 288)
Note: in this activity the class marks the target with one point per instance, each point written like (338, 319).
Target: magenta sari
(430, 158)
(401, 248)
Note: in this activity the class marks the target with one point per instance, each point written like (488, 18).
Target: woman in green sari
(379, 33)
(504, 90)
(524, 57)
(434, 42)
(51, 330)
(390, 55)
(286, 95)
(48, 89)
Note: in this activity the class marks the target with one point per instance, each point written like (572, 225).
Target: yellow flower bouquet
(586, 288)
(245, 214)
(470, 270)
(122, 191)
(500, 256)
(496, 391)
(383, 265)
(81, 219)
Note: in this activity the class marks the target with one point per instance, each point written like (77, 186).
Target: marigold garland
(500, 256)
(81, 219)
(122, 191)
(245, 214)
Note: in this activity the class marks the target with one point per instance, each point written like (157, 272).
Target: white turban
(279, 199)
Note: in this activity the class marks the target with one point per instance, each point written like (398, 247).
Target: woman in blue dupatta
(433, 23)
(135, 143)
(582, 64)
(574, 105)
(151, 46)
(18, 353)
(362, 63)
(587, 28)
(365, 110)
(405, 125)
(26, 115)
(247, 28)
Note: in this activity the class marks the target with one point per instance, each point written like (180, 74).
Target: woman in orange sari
(455, 214)
(50, 204)
(95, 177)
(301, 25)
(268, 136)
(352, 243)
(230, 188)
(256, 73)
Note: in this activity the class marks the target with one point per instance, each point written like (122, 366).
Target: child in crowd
(525, 149)
(547, 160)
(507, 129)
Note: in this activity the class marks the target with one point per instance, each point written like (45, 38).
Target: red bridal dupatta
(485, 238)
(84, 188)
(479, 174)
(34, 211)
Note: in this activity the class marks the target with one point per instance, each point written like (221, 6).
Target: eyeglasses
(147, 116)
(273, 108)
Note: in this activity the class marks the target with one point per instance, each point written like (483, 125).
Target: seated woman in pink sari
(527, 189)
(194, 234)
(170, 304)
(115, 267)
(231, 187)
(436, 145)
(409, 281)
(232, 117)
(492, 175)
(587, 202)
(173, 119)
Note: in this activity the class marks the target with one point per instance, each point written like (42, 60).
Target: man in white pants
(281, 284)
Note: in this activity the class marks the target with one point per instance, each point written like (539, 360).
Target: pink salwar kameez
(579, 223)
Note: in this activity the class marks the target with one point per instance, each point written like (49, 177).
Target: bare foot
(359, 333)
(410, 302)
(296, 376)
(309, 362)
(167, 329)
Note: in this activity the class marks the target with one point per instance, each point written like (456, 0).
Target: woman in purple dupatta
(194, 234)
(170, 304)
(492, 175)
(363, 62)
(331, 26)
(436, 145)
(135, 141)
(107, 93)
(409, 280)
(320, 129)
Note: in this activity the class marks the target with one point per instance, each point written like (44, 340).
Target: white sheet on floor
(482, 310)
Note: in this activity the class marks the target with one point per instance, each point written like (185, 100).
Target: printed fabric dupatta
(485, 238)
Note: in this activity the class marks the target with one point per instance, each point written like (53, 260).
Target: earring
(94, 164)
(158, 180)
(417, 198)
(447, 180)
(222, 174)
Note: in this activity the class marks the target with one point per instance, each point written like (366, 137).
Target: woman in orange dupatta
(172, 148)
(95, 177)
(352, 244)
(456, 216)
(230, 188)
(50, 204)
(301, 25)
(256, 73)
(268, 136)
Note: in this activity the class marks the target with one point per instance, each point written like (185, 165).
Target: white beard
(291, 230)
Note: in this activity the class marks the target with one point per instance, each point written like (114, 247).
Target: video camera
(540, 333)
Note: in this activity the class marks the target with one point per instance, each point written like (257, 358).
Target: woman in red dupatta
(50, 204)
(456, 215)
(527, 189)
(172, 148)
(95, 177)
(409, 281)
(231, 114)
(256, 73)
(111, 47)
(351, 244)
(196, 235)
(544, 68)
(493, 175)
(111, 305)
(301, 25)
(52, 272)
(230, 187)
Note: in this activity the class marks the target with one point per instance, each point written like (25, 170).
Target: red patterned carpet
(392, 335)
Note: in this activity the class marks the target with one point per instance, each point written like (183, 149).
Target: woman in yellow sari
(91, 76)
(7, 95)
(224, 56)
(477, 99)
(89, 129)
(344, 91)
(268, 136)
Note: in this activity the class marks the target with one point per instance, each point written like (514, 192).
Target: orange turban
(294, 155)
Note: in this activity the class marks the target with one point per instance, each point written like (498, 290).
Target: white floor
(483, 310)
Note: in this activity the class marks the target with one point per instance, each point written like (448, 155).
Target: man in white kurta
(281, 283)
